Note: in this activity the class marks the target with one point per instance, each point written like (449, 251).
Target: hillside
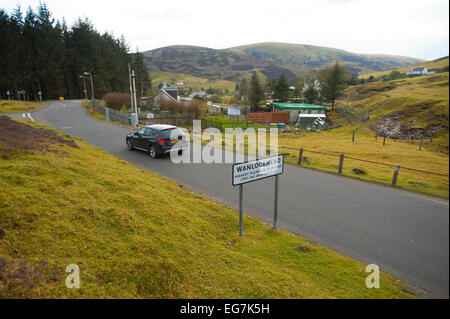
(136, 234)
(190, 81)
(269, 58)
(430, 65)
(408, 107)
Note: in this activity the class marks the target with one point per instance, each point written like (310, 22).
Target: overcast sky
(417, 28)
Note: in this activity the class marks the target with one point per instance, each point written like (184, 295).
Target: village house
(166, 94)
(419, 71)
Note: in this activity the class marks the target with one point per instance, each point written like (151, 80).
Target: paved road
(406, 234)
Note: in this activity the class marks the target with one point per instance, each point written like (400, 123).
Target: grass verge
(136, 234)
(12, 106)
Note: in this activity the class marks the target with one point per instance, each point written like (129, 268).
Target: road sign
(258, 169)
(234, 111)
(150, 115)
(253, 171)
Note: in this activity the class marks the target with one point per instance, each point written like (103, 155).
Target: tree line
(318, 86)
(41, 54)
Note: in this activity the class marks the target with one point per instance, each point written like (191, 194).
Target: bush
(117, 100)
(194, 107)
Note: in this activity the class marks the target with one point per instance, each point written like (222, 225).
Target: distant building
(180, 83)
(419, 71)
(200, 94)
(301, 113)
(166, 94)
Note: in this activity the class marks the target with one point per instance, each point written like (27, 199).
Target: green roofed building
(301, 113)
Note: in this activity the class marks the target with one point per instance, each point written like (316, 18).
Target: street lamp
(84, 84)
(92, 87)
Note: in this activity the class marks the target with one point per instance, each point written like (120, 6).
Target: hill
(430, 65)
(269, 58)
(408, 107)
(137, 234)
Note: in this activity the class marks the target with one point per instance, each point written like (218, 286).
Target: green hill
(137, 234)
(269, 58)
(410, 107)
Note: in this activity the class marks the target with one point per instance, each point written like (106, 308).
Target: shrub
(194, 107)
(117, 100)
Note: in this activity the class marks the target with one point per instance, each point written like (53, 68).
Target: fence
(172, 119)
(340, 158)
(113, 115)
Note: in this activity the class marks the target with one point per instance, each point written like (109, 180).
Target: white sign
(150, 115)
(257, 169)
(234, 111)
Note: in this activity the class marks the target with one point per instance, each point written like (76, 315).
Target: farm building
(301, 113)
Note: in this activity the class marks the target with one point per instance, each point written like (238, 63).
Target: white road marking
(66, 127)
(29, 115)
(23, 115)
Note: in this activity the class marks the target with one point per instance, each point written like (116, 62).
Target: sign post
(255, 170)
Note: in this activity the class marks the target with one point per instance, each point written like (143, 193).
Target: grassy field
(136, 234)
(435, 64)
(12, 106)
(195, 82)
(365, 147)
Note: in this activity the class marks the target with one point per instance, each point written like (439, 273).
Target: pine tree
(333, 81)
(256, 93)
(281, 89)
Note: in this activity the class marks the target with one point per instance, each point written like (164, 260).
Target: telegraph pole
(136, 123)
(92, 87)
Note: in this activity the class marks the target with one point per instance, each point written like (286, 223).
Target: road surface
(406, 234)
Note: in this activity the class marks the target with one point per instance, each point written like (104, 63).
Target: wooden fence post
(353, 136)
(300, 156)
(384, 140)
(431, 139)
(376, 136)
(341, 163)
(394, 179)
(421, 141)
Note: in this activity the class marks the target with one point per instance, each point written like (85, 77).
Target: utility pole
(84, 85)
(136, 123)
(131, 86)
(92, 87)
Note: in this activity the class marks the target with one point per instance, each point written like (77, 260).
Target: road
(406, 234)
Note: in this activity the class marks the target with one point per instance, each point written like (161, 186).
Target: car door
(139, 138)
(148, 138)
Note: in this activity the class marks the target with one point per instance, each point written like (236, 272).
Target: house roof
(298, 106)
(418, 69)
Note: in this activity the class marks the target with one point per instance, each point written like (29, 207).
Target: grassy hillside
(303, 57)
(136, 234)
(412, 106)
(195, 82)
(11, 106)
(271, 59)
(431, 65)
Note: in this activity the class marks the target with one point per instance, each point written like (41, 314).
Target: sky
(415, 28)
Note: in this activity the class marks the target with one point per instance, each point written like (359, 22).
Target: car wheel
(153, 151)
(130, 145)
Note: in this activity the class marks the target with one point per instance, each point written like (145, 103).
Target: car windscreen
(174, 133)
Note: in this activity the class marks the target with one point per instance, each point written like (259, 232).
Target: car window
(149, 132)
(141, 131)
(174, 133)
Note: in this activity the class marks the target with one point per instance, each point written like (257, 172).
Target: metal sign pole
(275, 204)
(241, 212)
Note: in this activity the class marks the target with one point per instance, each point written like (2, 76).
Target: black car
(157, 139)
